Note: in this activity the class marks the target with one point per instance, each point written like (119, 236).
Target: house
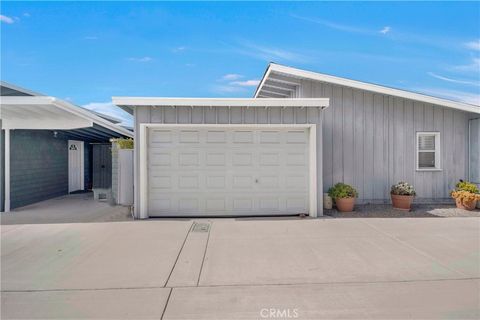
(302, 132)
(48, 146)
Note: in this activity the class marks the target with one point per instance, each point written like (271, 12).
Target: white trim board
(304, 74)
(143, 149)
(128, 103)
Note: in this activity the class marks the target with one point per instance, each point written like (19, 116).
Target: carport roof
(129, 103)
(49, 113)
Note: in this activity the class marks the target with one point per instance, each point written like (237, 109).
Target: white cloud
(472, 67)
(385, 30)
(227, 89)
(334, 25)
(141, 59)
(26, 14)
(179, 49)
(231, 76)
(467, 97)
(273, 53)
(474, 45)
(246, 83)
(467, 82)
(110, 109)
(6, 19)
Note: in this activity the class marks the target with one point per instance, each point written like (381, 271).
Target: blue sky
(88, 52)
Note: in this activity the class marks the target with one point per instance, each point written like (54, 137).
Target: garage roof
(281, 81)
(129, 103)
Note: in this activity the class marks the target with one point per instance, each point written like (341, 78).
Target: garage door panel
(203, 171)
(189, 136)
(188, 159)
(243, 136)
(216, 136)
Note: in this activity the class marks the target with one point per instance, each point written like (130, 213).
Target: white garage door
(222, 171)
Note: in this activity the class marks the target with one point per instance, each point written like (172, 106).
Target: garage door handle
(256, 180)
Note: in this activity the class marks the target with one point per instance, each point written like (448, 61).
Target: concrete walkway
(72, 208)
(243, 269)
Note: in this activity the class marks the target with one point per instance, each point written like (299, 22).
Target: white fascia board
(219, 102)
(298, 73)
(19, 89)
(78, 111)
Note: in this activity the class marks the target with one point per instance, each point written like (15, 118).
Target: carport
(47, 146)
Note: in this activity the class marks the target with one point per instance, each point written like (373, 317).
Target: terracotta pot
(465, 205)
(345, 204)
(402, 202)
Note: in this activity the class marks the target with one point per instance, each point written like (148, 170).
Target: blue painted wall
(39, 166)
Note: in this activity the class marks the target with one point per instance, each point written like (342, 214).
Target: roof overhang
(129, 103)
(281, 81)
(49, 113)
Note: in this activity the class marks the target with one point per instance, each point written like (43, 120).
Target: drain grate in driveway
(201, 227)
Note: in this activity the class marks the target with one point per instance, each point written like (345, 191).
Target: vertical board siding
(379, 143)
(359, 129)
(348, 137)
(367, 146)
(327, 92)
(369, 141)
(336, 104)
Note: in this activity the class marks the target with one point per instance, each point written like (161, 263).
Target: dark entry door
(102, 166)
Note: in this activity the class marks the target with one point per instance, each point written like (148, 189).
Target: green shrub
(124, 143)
(342, 190)
(403, 189)
(466, 186)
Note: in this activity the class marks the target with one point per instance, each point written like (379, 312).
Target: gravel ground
(418, 210)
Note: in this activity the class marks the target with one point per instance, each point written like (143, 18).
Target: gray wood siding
(370, 142)
(225, 115)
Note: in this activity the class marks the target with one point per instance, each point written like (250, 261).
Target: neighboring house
(47, 146)
(302, 133)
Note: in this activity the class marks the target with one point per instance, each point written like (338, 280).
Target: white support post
(7, 170)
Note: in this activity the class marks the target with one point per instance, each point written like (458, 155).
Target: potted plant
(344, 196)
(466, 195)
(402, 195)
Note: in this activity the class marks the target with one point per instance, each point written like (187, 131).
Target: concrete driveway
(243, 269)
(72, 208)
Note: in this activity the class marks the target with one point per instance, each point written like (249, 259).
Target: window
(428, 151)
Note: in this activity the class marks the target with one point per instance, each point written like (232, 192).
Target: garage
(200, 170)
(210, 157)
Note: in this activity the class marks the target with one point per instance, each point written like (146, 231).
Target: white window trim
(438, 164)
(143, 150)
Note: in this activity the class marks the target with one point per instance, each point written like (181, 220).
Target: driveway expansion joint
(179, 252)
